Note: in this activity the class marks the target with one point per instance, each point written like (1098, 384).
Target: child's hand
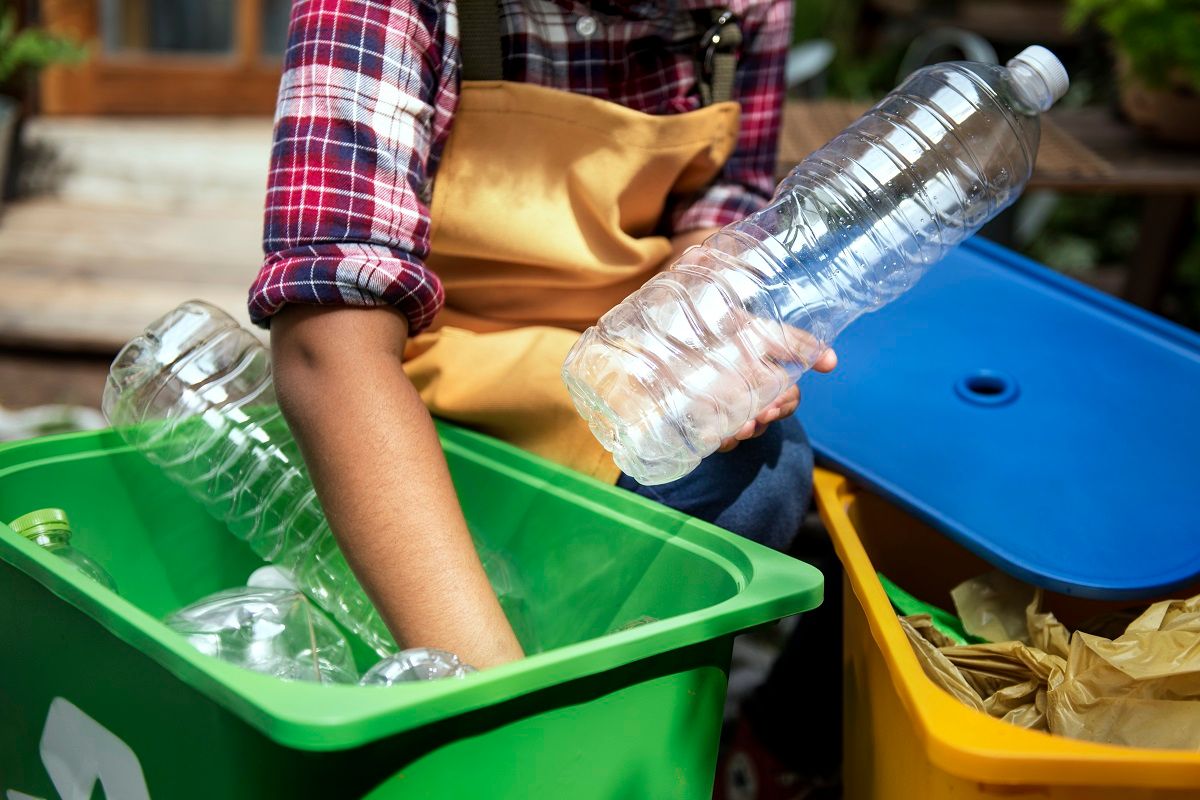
(784, 406)
(798, 342)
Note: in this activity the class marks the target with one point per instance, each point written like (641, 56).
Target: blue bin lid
(1049, 428)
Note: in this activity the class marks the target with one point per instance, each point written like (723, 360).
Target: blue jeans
(759, 490)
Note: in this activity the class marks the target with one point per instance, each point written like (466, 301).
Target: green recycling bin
(95, 691)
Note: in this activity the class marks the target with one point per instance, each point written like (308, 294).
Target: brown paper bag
(1140, 689)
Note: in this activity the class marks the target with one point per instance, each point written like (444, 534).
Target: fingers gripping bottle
(194, 394)
(699, 350)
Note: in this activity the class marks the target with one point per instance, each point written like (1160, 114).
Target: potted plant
(1157, 45)
(23, 51)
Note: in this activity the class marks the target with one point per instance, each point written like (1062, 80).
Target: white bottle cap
(272, 577)
(1048, 67)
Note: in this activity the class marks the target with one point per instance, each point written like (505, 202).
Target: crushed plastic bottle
(681, 364)
(50, 529)
(276, 632)
(416, 664)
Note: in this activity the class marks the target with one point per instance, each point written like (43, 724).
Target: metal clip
(724, 36)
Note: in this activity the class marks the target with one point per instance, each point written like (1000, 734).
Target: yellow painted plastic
(905, 737)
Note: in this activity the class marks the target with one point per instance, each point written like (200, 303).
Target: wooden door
(167, 56)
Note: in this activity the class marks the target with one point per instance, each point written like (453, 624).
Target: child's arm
(375, 460)
(365, 106)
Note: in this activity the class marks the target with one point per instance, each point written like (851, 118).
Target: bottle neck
(50, 540)
(1032, 88)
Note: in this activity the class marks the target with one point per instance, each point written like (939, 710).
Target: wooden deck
(134, 217)
(86, 278)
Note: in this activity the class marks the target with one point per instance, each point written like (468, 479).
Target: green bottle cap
(44, 520)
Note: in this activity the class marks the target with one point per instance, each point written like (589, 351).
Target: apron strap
(479, 40)
(718, 55)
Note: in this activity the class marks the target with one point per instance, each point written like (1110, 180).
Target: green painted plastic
(597, 715)
(907, 605)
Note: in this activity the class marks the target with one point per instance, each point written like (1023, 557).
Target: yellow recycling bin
(905, 738)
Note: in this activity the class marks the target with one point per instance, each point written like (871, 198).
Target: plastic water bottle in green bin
(273, 631)
(50, 529)
(194, 394)
(416, 664)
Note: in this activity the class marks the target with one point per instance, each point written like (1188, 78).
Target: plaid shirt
(367, 100)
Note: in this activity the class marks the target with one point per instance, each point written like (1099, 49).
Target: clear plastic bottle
(273, 631)
(416, 664)
(698, 351)
(50, 529)
(194, 394)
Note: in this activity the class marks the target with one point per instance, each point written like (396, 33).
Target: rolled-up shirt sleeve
(365, 104)
(747, 181)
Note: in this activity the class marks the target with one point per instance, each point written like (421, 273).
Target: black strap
(479, 40)
(718, 56)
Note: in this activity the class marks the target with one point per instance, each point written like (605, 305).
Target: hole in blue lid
(987, 387)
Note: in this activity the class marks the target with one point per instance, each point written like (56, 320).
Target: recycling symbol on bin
(79, 752)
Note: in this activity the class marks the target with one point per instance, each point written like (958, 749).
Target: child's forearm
(378, 467)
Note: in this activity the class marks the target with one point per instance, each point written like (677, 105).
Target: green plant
(859, 71)
(30, 49)
(1160, 38)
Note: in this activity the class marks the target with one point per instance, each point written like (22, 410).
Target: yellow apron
(543, 214)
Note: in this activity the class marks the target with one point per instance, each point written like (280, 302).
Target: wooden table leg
(1167, 221)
